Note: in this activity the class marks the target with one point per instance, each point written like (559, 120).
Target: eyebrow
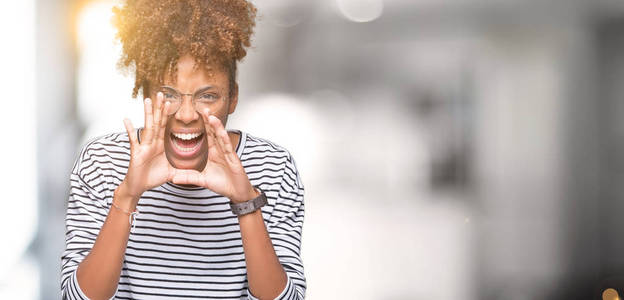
(202, 89)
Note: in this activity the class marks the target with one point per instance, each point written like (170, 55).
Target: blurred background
(450, 149)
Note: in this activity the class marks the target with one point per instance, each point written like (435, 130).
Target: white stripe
(186, 241)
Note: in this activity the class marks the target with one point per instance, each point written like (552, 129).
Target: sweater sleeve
(285, 228)
(86, 211)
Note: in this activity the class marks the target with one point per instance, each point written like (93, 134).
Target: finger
(187, 177)
(212, 144)
(226, 143)
(209, 131)
(217, 137)
(221, 135)
(163, 122)
(157, 114)
(206, 116)
(132, 135)
(149, 121)
(228, 150)
(216, 125)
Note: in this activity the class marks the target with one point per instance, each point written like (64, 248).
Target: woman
(183, 208)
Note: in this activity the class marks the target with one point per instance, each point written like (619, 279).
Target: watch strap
(250, 206)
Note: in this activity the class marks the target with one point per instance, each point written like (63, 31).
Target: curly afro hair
(156, 33)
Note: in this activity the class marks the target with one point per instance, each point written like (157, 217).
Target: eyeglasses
(201, 99)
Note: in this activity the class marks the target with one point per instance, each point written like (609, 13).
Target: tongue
(186, 143)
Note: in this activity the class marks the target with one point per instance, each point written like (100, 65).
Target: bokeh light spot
(360, 10)
(610, 294)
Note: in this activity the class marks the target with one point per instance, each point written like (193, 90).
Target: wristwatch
(250, 206)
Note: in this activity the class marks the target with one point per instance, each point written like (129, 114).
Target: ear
(233, 99)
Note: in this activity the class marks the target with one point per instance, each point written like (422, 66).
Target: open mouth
(187, 144)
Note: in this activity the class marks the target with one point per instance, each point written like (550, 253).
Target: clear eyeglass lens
(200, 106)
(173, 107)
(205, 100)
(200, 101)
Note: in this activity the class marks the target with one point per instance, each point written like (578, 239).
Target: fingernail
(147, 100)
(159, 94)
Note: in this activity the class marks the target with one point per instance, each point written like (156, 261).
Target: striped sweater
(186, 243)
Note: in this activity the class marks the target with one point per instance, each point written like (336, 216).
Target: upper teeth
(186, 136)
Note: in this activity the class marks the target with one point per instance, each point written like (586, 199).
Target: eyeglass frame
(193, 96)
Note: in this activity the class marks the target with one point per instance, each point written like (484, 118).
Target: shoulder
(262, 156)
(113, 148)
(102, 162)
(255, 148)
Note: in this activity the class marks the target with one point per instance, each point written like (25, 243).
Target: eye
(169, 95)
(207, 97)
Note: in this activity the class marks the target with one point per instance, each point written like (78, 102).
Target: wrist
(124, 199)
(249, 194)
(250, 206)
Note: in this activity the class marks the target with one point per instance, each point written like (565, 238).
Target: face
(186, 146)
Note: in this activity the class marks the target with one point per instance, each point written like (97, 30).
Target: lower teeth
(186, 149)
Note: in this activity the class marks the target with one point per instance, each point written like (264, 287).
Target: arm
(266, 251)
(86, 212)
(274, 267)
(97, 275)
(92, 229)
(265, 274)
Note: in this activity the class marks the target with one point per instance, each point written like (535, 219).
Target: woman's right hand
(148, 166)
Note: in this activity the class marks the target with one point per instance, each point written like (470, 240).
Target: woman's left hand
(224, 174)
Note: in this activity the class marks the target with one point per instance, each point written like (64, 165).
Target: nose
(186, 113)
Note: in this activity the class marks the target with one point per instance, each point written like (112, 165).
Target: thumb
(187, 177)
